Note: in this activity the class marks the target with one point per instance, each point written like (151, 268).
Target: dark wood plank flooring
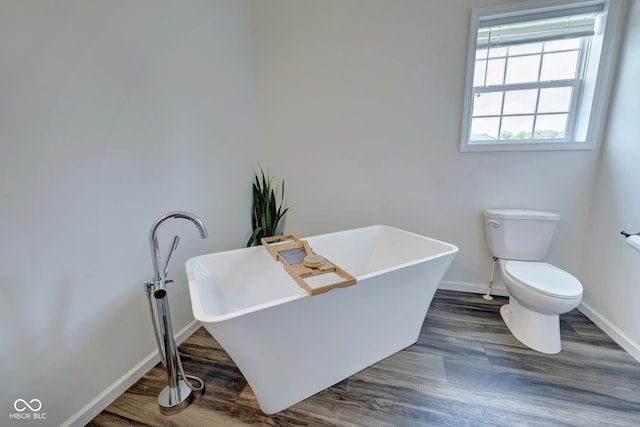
(465, 370)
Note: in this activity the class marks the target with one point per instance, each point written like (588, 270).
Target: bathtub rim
(201, 316)
(205, 318)
(452, 248)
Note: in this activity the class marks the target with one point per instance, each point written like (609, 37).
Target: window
(537, 75)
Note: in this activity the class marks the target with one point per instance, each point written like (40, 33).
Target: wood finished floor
(465, 370)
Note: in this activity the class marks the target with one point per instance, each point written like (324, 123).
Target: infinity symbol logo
(21, 405)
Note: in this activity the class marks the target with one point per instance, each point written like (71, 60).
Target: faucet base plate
(173, 400)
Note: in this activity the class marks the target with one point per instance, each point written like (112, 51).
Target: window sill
(526, 146)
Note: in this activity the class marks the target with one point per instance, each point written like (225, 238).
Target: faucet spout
(158, 274)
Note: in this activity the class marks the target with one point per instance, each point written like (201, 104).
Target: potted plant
(266, 213)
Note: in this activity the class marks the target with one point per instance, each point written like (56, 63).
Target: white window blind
(536, 27)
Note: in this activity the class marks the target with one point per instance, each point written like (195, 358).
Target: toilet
(538, 291)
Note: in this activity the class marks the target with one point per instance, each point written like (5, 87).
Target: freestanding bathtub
(290, 345)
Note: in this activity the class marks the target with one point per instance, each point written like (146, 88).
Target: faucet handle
(148, 286)
(174, 245)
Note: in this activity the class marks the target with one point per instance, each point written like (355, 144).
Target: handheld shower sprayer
(179, 393)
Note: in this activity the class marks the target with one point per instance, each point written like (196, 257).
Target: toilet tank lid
(521, 214)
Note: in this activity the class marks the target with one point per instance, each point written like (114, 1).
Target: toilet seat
(544, 278)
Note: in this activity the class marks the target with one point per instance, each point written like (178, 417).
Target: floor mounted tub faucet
(179, 393)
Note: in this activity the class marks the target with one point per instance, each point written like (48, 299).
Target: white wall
(360, 106)
(115, 112)
(111, 114)
(610, 269)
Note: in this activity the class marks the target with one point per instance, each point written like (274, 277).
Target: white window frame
(588, 116)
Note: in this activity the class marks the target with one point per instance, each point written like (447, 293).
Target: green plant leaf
(254, 236)
(266, 211)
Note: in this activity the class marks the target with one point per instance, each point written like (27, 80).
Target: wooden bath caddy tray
(314, 273)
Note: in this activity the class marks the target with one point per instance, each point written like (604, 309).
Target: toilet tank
(519, 234)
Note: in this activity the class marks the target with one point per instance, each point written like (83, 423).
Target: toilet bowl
(538, 293)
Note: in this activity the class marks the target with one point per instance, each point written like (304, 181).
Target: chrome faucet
(159, 276)
(179, 393)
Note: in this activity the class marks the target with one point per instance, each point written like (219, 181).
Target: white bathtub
(289, 345)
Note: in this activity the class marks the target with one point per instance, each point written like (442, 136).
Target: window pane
(495, 72)
(478, 73)
(520, 101)
(521, 49)
(551, 126)
(487, 104)
(559, 66)
(565, 44)
(555, 100)
(484, 129)
(495, 52)
(523, 69)
(518, 127)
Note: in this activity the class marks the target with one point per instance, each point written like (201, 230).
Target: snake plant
(266, 213)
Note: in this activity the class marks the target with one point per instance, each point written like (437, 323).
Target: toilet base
(540, 332)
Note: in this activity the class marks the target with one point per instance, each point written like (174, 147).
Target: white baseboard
(122, 384)
(473, 288)
(631, 347)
